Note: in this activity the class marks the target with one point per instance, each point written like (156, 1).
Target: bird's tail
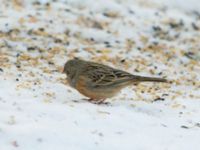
(148, 79)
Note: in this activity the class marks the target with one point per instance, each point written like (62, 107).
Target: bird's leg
(101, 101)
(95, 101)
(90, 99)
(87, 99)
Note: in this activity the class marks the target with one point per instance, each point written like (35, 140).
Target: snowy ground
(38, 110)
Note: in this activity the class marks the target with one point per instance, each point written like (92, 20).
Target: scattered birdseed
(159, 99)
(184, 127)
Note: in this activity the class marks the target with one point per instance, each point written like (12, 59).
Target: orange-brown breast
(95, 94)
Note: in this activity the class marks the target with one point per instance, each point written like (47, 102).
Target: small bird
(98, 81)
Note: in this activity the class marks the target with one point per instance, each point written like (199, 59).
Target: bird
(98, 81)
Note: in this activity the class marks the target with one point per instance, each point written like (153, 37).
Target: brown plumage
(98, 81)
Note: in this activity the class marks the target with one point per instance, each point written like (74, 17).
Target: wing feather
(103, 76)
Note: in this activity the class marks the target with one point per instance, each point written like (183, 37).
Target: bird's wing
(103, 76)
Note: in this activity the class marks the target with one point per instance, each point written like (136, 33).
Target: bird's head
(72, 67)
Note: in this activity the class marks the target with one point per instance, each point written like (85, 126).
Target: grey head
(71, 69)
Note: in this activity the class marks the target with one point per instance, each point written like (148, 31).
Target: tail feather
(148, 79)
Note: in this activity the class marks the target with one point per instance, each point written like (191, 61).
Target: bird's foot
(100, 101)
